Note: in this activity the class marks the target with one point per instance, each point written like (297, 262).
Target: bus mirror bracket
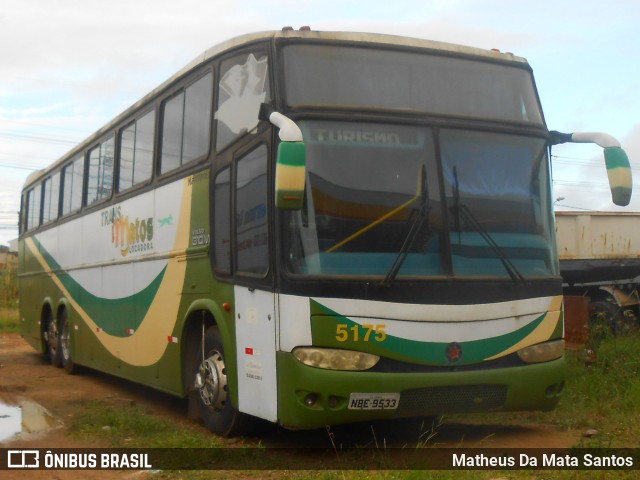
(616, 161)
(290, 161)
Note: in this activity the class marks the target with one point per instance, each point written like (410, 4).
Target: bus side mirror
(290, 175)
(291, 160)
(616, 160)
(619, 173)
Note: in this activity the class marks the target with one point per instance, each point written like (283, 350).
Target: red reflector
(248, 351)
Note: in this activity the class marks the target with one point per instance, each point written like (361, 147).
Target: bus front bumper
(311, 397)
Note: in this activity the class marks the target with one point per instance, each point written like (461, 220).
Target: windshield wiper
(463, 210)
(458, 209)
(416, 226)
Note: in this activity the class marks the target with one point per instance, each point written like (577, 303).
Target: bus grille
(457, 399)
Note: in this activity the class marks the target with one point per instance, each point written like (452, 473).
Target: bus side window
(136, 151)
(222, 222)
(72, 177)
(186, 125)
(33, 208)
(243, 87)
(51, 196)
(100, 178)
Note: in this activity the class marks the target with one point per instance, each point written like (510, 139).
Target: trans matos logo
(129, 234)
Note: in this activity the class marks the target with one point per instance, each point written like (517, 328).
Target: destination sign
(365, 137)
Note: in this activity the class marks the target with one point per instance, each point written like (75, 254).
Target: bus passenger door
(254, 296)
(255, 340)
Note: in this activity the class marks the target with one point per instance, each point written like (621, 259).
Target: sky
(67, 67)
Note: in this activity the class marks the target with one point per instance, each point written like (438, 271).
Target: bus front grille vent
(453, 399)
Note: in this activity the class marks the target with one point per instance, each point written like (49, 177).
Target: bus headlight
(542, 352)
(335, 359)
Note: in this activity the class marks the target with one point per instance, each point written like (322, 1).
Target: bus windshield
(382, 201)
(359, 77)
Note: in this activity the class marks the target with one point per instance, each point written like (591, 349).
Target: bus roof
(285, 33)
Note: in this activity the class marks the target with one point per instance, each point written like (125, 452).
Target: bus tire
(65, 347)
(53, 342)
(212, 391)
(606, 318)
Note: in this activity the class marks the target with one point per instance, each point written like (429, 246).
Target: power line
(33, 169)
(22, 155)
(34, 138)
(39, 125)
(577, 208)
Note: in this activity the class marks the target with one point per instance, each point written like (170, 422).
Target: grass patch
(603, 395)
(9, 318)
(134, 426)
(9, 314)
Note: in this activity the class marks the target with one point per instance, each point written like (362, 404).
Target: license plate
(374, 401)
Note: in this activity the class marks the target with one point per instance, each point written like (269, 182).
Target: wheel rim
(65, 342)
(52, 337)
(211, 382)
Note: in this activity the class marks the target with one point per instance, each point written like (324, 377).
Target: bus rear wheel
(212, 389)
(53, 342)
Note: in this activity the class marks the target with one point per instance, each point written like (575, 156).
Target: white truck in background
(600, 260)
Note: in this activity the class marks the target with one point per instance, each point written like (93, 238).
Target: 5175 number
(360, 333)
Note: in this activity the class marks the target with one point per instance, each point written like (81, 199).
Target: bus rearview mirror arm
(616, 160)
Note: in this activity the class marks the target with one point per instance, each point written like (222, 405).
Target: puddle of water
(24, 418)
(10, 421)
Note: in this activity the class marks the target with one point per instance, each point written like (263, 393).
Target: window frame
(256, 48)
(30, 207)
(56, 213)
(136, 118)
(181, 89)
(81, 159)
(112, 135)
(237, 157)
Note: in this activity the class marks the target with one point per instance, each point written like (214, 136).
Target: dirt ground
(26, 377)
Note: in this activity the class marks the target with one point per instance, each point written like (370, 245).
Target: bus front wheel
(212, 389)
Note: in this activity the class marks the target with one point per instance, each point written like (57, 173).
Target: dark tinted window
(186, 125)
(172, 133)
(222, 222)
(252, 242)
(197, 118)
(389, 79)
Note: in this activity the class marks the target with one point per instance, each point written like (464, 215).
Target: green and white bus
(311, 228)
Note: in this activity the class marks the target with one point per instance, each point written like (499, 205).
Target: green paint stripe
(616, 157)
(324, 324)
(292, 154)
(621, 190)
(114, 316)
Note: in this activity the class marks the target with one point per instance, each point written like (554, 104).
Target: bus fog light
(335, 359)
(542, 352)
(311, 399)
